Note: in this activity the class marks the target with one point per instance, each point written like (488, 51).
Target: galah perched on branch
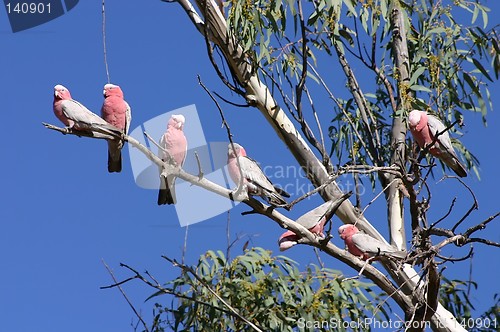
(173, 148)
(424, 128)
(366, 247)
(76, 116)
(254, 179)
(115, 111)
(313, 220)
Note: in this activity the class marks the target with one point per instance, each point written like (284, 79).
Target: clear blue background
(61, 212)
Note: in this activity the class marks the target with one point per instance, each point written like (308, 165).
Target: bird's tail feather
(275, 199)
(395, 254)
(106, 129)
(453, 163)
(166, 194)
(281, 192)
(114, 162)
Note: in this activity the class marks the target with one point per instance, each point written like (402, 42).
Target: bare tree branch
(118, 285)
(474, 206)
(362, 106)
(446, 215)
(156, 285)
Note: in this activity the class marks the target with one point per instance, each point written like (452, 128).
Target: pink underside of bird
(366, 247)
(114, 108)
(314, 220)
(232, 165)
(174, 143)
(59, 96)
(424, 127)
(115, 111)
(420, 131)
(76, 116)
(346, 234)
(289, 238)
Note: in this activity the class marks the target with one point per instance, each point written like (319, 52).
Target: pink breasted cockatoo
(115, 111)
(313, 220)
(76, 116)
(424, 128)
(366, 247)
(254, 179)
(174, 145)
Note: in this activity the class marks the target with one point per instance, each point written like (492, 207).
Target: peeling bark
(394, 196)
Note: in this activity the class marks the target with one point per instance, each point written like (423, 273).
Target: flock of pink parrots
(427, 130)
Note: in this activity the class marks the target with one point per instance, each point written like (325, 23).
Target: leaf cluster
(268, 290)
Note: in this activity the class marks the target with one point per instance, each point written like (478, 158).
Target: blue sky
(62, 213)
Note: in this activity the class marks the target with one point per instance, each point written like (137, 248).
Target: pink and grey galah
(76, 116)
(115, 111)
(366, 247)
(313, 220)
(424, 128)
(254, 179)
(173, 148)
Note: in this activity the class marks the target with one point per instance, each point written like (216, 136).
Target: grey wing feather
(253, 173)
(325, 210)
(448, 154)
(436, 126)
(255, 176)
(161, 153)
(79, 113)
(311, 218)
(373, 246)
(128, 118)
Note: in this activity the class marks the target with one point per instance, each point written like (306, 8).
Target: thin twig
(356, 169)
(344, 111)
(151, 139)
(378, 195)
(169, 157)
(118, 285)
(446, 215)
(104, 40)
(470, 270)
(451, 259)
(230, 102)
(228, 130)
(481, 225)
(355, 176)
(228, 234)
(212, 60)
(435, 140)
(200, 169)
(318, 257)
(98, 133)
(324, 154)
(160, 288)
(474, 206)
(184, 247)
